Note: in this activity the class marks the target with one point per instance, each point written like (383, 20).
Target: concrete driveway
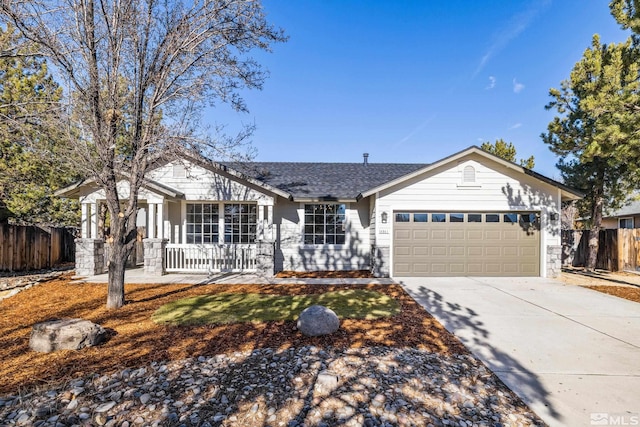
(572, 354)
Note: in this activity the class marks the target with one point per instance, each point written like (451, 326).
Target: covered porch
(183, 236)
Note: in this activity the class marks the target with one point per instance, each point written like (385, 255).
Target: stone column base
(154, 256)
(89, 257)
(554, 261)
(380, 261)
(265, 252)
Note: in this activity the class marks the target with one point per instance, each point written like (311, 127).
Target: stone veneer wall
(154, 256)
(89, 257)
(554, 260)
(265, 258)
(380, 260)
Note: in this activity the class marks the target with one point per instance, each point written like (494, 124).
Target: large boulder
(65, 334)
(318, 320)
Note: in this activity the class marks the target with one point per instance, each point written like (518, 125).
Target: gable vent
(469, 174)
(179, 171)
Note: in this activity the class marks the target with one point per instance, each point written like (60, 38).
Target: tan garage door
(466, 244)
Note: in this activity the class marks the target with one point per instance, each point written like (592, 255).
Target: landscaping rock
(65, 334)
(318, 320)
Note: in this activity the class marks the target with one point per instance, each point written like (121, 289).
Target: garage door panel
(420, 250)
(403, 250)
(402, 234)
(475, 251)
(456, 234)
(475, 235)
(463, 248)
(439, 251)
(439, 234)
(421, 234)
(457, 251)
(492, 235)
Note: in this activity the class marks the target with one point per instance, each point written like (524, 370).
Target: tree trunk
(117, 265)
(596, 221)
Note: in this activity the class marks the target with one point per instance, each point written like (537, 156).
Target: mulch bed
(137, 341)
(352, 274)
(626, 292)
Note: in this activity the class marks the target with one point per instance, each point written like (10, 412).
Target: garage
(466, 243)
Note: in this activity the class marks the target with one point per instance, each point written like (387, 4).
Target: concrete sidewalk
(572, 354)
(137, 275)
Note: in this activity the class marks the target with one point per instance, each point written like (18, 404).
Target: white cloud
(414, 131)
(517, 87)
(516, 25)
(492, 83)
(516, 126)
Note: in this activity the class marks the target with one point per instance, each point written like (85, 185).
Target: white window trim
(347, 234)
(625, 218)
(221, 232)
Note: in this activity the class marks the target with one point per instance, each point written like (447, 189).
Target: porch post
(84, 225)
(269, 233)
(151, 232)
(160, 210)
(94, 221)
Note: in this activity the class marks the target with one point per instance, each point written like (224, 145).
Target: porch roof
(87, 186)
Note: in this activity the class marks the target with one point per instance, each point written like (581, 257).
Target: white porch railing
(209, 258)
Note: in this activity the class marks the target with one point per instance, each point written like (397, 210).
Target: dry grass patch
(137, 340)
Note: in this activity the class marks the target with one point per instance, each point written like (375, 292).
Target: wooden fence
(24, 248)
(618, 249)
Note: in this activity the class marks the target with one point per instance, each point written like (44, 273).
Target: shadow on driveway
(467, 325)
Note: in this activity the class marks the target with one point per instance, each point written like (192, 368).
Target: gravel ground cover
(308, 386)
(403, 370)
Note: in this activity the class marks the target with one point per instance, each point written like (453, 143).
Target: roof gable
(567, 192)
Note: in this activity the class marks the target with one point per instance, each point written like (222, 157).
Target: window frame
(222, 229)
(317, 233)
(626, 218)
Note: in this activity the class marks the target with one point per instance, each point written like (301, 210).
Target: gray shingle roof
(632, 208)
(324, 181)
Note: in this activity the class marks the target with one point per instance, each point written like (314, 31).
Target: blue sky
(414, 81)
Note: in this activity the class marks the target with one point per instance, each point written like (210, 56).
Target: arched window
(468, 175)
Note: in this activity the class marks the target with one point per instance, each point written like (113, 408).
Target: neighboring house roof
(567, 193)
(631, 209)
(324, 181)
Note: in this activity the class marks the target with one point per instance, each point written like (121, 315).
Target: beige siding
(293, 254)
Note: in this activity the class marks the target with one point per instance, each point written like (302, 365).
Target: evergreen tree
(507, 151)
(592, 131)
(29, 131)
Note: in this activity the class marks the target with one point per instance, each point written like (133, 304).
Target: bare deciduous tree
(139, 72)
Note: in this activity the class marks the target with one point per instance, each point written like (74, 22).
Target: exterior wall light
(553, 216)
(383, 217)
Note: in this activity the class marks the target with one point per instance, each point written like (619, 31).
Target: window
(420, 217)
(456, 217)
(202, 223)
(492, 218)
(403, 217)
(240, 223)
(625, 223)
(512, 218)
(468, 175)
(324, 224)
(438, 217)
(474, 217)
